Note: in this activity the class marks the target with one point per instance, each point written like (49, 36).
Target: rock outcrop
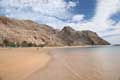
(19, 31)
(74, 38)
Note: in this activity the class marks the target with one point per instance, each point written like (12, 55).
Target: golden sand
(16, 64)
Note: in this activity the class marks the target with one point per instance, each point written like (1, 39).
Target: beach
(17, 64)
(58, 64)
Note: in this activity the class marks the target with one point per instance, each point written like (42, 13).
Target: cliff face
(74, 38)
(18, 31)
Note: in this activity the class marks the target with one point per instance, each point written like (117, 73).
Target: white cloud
(55, 8)
(105, 9)
(71, 4)
(114, 39)
(78, 18)
(50, 12)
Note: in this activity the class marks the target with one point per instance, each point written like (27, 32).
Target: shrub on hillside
(8, 43)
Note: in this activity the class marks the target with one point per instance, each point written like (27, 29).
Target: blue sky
(86, 7)
(101, 16)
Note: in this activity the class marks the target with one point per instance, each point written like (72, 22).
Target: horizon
(100, 16)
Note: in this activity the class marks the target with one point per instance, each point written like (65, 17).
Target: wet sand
(58, 64)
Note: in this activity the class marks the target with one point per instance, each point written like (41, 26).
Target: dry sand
(17, 64)
(57, 64)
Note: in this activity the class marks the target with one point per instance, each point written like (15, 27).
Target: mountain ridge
(19, 31)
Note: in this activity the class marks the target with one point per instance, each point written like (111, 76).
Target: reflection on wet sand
(60, 64)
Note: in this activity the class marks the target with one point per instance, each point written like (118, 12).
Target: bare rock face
(74, 38)
(95, 38)
(19, 31)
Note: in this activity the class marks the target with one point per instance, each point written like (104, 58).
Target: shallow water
(93, 63)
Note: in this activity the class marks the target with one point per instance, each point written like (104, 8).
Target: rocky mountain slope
(27, 31)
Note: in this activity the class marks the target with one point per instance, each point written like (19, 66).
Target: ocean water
(91, 63)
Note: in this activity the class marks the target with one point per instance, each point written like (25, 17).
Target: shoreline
(85, 46)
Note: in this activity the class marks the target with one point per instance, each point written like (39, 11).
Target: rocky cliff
(27, 31)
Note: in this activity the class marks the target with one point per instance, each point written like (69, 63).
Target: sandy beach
(57, 64)
(17, 64)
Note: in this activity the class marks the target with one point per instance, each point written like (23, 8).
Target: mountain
(21, 32)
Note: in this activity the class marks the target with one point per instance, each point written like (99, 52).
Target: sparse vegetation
(7, 43)
(24, 44)
(41, 45)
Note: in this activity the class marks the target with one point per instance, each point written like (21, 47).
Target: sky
(100, 16)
